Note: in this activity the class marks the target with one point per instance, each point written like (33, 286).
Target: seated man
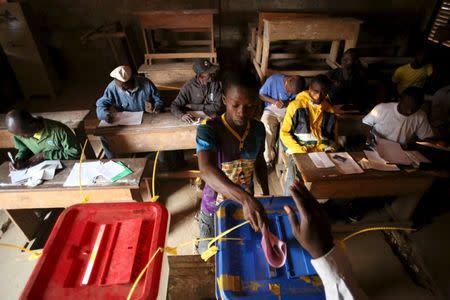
(349, 82)
(201, 93)
(38, 139)
(230, 150)
(400, 122)
(308, 125)
(127, 93)
(276, 93)
(412, 74)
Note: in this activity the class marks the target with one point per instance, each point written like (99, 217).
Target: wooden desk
(157, 132)
(329, 183)
(15, 198)
(74, 119)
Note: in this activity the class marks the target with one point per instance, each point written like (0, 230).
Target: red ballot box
(96, 251)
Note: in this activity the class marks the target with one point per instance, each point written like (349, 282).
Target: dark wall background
(394, 23)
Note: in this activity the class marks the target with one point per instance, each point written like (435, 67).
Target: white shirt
(392, 125)
(337, 277)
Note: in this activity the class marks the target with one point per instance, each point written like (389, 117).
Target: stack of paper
(35, 175)
(124, 118)
(374, 161)
(90, 171)
(392, 152)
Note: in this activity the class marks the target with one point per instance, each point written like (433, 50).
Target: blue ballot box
(242, 271)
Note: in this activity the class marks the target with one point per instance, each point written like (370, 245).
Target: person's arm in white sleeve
(313, 232)
(424, 130)
(337, 277)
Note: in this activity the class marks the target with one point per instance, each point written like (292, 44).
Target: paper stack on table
(392, 152)
(374, 161)
(37, 174)
(345, 163)
(124, 118)
(90, 171)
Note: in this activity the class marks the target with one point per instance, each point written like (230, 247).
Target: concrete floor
(376, 267)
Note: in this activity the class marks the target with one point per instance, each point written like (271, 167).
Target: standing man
(230, 150)
(276, 93)
(308, 125)
(201, 93)
(127, 93)
(38, 139)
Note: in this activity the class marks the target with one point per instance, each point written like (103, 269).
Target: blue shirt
(128, 100)
(274, 88)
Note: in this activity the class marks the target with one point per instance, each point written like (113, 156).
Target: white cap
(122, 73)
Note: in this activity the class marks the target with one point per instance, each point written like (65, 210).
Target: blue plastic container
(242, 271)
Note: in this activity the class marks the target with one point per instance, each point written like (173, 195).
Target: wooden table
(407, 186)
(74, 119)
(18, 201)
(157, 132)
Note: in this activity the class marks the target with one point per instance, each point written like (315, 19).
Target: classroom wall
(63, 22)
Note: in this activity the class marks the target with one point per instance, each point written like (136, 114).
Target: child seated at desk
(400, 122)
(38, 139)
(127, 93)
(308, 125)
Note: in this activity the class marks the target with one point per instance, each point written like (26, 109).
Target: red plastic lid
(96, 251)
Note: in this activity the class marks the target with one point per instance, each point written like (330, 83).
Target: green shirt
(57, 142)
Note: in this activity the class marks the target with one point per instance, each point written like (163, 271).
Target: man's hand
(279, 104)
(314, 231)
(35, 159)
(148, 107)
(254, 212)
(109, 118)
(188, 118)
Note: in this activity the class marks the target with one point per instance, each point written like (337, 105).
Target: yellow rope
(375, 229)
(33, 254)
(155, 163)
(84, 198)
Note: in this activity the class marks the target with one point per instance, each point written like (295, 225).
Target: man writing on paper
(201, 93)
(230, 150)
(308, 125)
(400, 122)
(127, 93)
(276, 93)
(38, 139)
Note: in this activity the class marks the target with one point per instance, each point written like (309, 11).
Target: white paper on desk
(111, 169)
(321, 160)
(417, 158)
(376, 165)
(124, 118)
(43, 171)
(392, 152)
(89, 173)
(349, 166)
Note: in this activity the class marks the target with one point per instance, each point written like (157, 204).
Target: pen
(11, 158)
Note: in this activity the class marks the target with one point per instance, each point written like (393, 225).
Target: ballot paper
(417, 158)
(124, 118)
(89, 173)
(34, 175)
(376, 162)
(345, 163)
(321, 160)
(392, 152)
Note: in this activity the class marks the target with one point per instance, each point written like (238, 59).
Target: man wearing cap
(201, 93)
(127, 93)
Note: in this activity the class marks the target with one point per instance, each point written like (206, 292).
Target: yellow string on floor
(375, 229)
(33, 254)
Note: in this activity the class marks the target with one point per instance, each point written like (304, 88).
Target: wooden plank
(334, 50)
(180, 55)
(321, 29)
(158, 20)
(191, 278)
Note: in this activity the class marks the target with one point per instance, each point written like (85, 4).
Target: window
(440, 30)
